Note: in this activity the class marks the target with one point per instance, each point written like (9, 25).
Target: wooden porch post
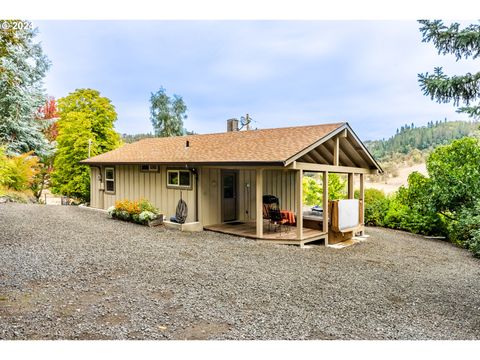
(361, 197)
(351, 183)
(259, 202)
(299, 198)
(325, 205)
(336, 151)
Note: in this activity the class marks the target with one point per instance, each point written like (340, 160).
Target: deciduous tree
(47, 117)
(167, 114)
(454, 172)
(84, 116)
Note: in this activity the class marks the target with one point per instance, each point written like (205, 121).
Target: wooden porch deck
(287, 236)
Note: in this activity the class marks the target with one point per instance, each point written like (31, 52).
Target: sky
(282, 73)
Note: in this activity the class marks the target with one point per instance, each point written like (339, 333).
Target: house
(222, 177)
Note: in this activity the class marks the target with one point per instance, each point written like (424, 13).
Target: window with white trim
(109, 179)
(179, 179)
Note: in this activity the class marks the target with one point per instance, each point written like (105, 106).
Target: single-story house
(223, 177)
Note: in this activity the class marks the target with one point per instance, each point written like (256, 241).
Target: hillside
(130, 138)
(409, 138)
(407, 150)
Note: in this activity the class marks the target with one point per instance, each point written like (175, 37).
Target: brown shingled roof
(262, 146)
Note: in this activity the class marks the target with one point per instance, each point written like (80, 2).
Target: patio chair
(276, 219)
(269, 201)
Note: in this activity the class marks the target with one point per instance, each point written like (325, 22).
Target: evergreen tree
(421, 138)
(22, 69)
(463, 43)
(167, 114)
(85, 117)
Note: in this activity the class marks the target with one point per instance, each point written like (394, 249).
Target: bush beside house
(17, 176)
(445, 203)
(140, 212)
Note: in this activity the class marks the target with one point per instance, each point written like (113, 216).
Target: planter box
(156, 222)
(191, 226)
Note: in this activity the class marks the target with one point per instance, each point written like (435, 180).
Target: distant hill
(424, 138)
(128, 138)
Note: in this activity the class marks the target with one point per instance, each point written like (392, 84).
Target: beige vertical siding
(209, 198)
(280, 183)
(132, 184)
(276, 182)
(246, 195)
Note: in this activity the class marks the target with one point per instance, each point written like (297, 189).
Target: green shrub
(376, 206)
(145, 205)
(395, 212)
(473, 244)
(410, 209)
(17, 172)
(465, 231)
(403, 217)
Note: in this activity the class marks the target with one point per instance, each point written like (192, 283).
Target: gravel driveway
(70, 273)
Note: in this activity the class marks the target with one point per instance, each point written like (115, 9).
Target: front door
(229, 195)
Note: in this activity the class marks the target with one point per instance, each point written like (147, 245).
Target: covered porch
(340, 152)
(307, 227)
(287, 235)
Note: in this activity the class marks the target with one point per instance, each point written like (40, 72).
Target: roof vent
(187, 144)
(232, 125)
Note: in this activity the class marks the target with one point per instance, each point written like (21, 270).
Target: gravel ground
(71, 273)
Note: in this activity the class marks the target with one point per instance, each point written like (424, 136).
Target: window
(148, 168)
(110, 179)
(179, 178)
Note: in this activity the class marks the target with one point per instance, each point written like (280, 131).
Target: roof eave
(329, 136)
(183, 163)
(315, 144)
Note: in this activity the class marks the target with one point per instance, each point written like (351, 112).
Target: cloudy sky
(282, 73)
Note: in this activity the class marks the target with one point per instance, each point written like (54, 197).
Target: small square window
(179, 178)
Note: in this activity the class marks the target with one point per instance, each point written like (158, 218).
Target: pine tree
(22, 69)
(459, 89)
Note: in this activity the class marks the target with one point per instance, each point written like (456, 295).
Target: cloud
(280, 72)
